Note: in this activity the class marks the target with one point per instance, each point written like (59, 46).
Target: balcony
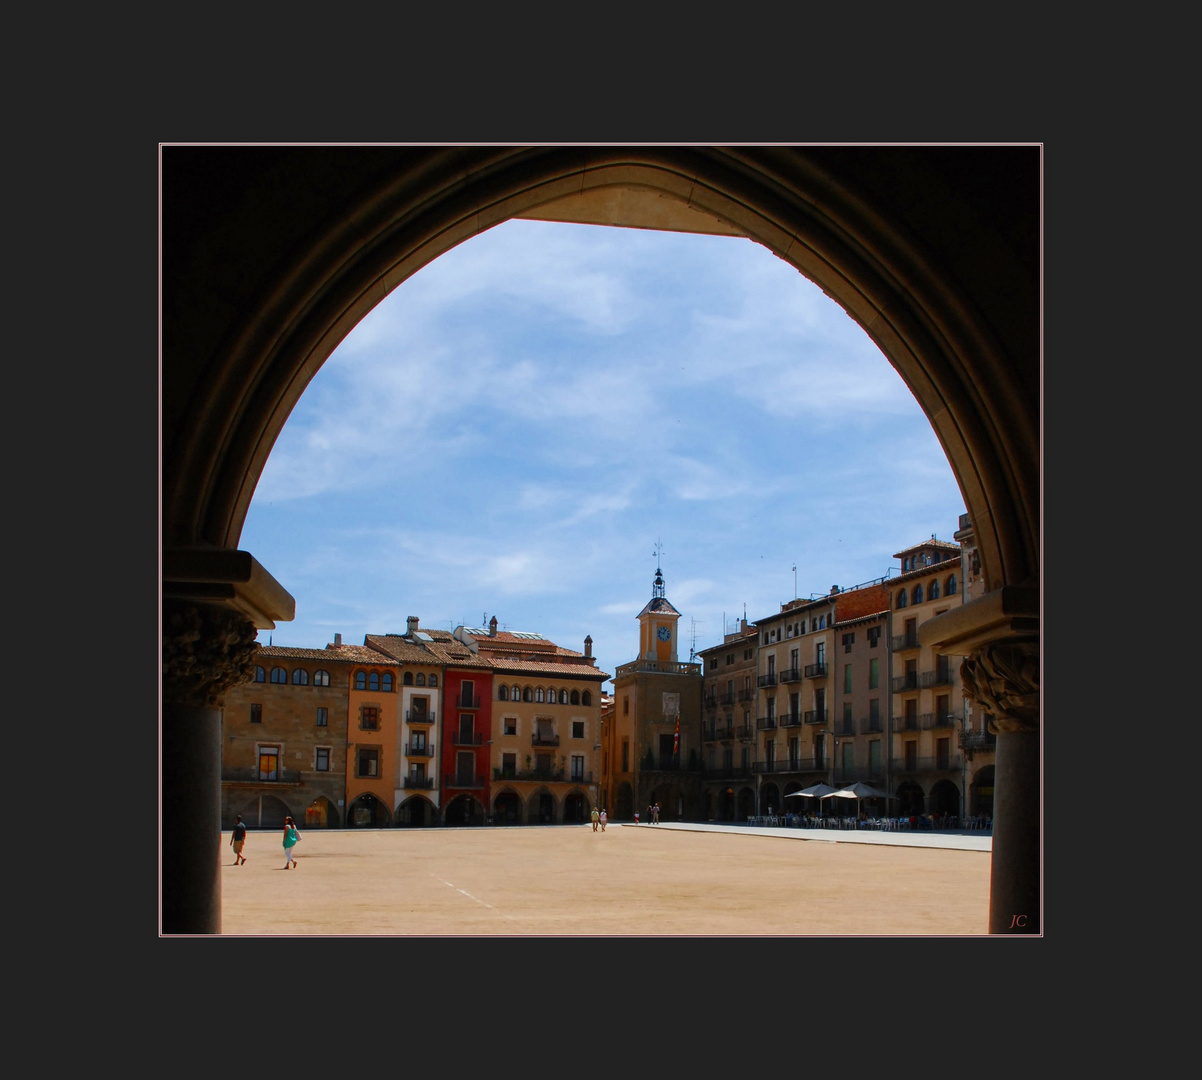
(468, 701)
(790, 765)
(745, 695)
(844, 728)
(816, 671)
(815, 716)
(451, 780)
(249, 774)
(744, 732)
(728, 772)
(663, 667)
(935, 722)
(905, 641)
(939, 677)
(766, 680)
(467, 738)
(546, 776)
(423, 751)
(905, 723)
(914, 766)
(870, 725)
(420, 716)
(867, 774)
(978, 742)
(544, 740)
(790, 719)
(419, 783)
(765, 723)
(908, 681)
(790, 676)
(710, 701)
(714, 733)
(727, 698)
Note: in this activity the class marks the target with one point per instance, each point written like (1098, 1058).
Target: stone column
(998, 634)
(205, 651)
(1004, 680)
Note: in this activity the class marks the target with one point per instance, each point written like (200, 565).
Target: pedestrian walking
(604, 819)
(291, 839)
(655, 813)
(596, 817)
(238, 840)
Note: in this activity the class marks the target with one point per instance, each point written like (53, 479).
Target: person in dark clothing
(238, 839)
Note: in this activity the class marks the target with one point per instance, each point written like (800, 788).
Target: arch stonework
(271, 255)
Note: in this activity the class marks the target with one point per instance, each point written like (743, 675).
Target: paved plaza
(669, 880)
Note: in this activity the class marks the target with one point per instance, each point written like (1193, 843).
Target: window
(874, 635)
(730, 658)
(417, 742)
(563, 697)
(874, 714)
(323, 716)
(421, 678)
(256, 714)
(951, 585)
(577, 766)
(387, 682)
(917, 597)
(432, 681)
(874, 756)
(321, 759)
(847, 679)
(407, 680)
(527, 694)
(509, 766)
(269, 762)
(901, 599)
(367, 761)
(373, 681)
(369, 718)
(538, 695)
(713, 663)
(502, 692)
(747, 653)
(360, 680)
(300, 677)
(279, 675)
(575, 699)
(625, 706)
(511, 725)
(321, 678)
(260, 675)
(586, 698)
(626, 755)
(848, 640)
(515, 693)
(933, 591)
(874, 673)
(577, 729)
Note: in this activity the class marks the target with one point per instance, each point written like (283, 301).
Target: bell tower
(658, 625)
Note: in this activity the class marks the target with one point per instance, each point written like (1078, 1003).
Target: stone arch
(576, 808)
(911, 801)
(944, 799)
(507, 808)
(368, 812)
(321, 813)
(415, 812)
(265, 812)
(981, 793)
(624, 803)
(464, 809)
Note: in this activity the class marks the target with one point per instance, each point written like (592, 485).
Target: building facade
(284, 741)
(728, 703)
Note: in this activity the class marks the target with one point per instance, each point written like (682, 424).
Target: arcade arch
(934, 251)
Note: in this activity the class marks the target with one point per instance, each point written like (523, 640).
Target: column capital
(1003, 678)
(206, 650)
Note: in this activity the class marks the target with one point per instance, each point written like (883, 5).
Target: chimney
(588, 646)
(492, 627)
(337, 641)
(834, 590)
(412, 622)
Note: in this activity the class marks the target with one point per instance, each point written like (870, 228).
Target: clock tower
(658, 625)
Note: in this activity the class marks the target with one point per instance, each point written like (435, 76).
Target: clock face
(664, 633)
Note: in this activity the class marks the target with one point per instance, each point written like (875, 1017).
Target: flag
(676, 736)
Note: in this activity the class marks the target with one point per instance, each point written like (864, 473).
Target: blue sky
(513, 429)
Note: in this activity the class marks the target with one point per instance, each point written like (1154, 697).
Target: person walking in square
(596, 817)
(604, 819)
(238, 840)
(291, 839)
(655, 814)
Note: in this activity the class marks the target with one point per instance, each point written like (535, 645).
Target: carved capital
(1003, 678)
(206, 650)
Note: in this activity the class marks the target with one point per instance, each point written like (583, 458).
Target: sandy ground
(627, 881)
